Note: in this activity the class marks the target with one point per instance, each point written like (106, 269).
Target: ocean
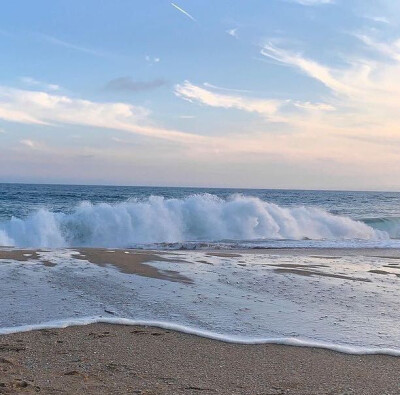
(306, 268)
(148, 217)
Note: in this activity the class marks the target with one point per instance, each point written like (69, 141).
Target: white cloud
(152, 60)
(322, 73)
(314, 106)
(365, 91)
(33, 107)
(183, 12)
(378, 19)
(233, 32)
(208, 85)
(391, 50)
(29, 81)
(266, 108)
(270, 109)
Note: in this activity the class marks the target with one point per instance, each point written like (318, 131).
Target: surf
(196, 218)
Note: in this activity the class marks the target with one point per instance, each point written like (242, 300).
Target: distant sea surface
(192, 218)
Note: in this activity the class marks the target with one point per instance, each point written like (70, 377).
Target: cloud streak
(74, 47)
(270, 109)
(312, 2)
(34, 107)
(40, 84)
(183, 12)
(191, 92)
(365, 91)
(324, 74)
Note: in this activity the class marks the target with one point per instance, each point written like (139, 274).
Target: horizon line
(197, 187)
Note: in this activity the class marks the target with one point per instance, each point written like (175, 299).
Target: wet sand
(133, 262)
(127, 261)
(116, 359)
(308, 273)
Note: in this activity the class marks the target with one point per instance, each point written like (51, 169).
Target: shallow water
(345, 300)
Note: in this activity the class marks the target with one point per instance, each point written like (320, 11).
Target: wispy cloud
(365, 91)
(270, 109)
(312, 2)
(359, 105)
(152, 59)
(314, 106)
(74, 47)
(233, 32)
(34, 107)
(391, 50)
(30, 143)
(378, 19)
(191, 92)
(29, 81)
(324, 74)
(129, 85)
(183, 12)
(208, 85)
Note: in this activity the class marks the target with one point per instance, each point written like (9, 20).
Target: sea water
(341, 294)
(106, 216)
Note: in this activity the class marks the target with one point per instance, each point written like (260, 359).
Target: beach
(118, 359)
(271, 321)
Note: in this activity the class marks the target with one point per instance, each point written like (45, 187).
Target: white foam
(354, 312)
(195, 218)
(288, 341)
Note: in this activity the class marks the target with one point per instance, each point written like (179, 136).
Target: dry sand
(114, 359)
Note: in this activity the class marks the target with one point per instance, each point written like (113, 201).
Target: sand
(127, 261)
(116, 359)
(133, 262)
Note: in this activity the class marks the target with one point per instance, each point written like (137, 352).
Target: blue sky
(242, 93)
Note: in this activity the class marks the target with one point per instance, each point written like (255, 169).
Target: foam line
(204, 333)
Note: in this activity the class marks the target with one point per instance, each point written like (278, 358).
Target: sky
(301, 94)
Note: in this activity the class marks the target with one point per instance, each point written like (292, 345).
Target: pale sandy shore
(116, 359)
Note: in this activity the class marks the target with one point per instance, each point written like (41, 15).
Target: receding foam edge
(290, 341)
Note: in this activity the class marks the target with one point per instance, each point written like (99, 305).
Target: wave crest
(156, 219)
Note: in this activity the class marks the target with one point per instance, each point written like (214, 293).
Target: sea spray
(199, 217)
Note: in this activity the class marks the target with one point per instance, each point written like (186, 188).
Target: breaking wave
(199, 218)
(389, 225)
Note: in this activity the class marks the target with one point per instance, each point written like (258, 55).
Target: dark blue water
(21, 199)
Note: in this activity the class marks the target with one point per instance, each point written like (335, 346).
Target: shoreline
(111, 359)
(177, 276)
(204, 334)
